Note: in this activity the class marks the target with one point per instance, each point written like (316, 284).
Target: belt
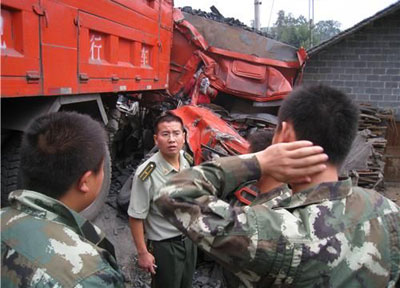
(176, 238)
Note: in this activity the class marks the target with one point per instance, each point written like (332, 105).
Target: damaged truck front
(227, 83)
(239, 74)
(124, 62)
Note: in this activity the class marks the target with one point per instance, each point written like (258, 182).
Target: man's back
(348, 237)
(46, 244)
(330, 235)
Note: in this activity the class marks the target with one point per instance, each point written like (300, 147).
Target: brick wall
(364, 64)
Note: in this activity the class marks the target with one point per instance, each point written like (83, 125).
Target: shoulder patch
(189, 158)
(146, 172)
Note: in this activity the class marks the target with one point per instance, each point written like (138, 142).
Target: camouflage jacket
(277, 194)
(46, 244)
(331, 235)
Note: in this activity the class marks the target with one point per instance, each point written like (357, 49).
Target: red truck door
(121, 52)
(20, 52)
(59, 47)
(109, 46)
(59, 37)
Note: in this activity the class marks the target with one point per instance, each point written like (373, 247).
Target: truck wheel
(94, 209)
(10, 160)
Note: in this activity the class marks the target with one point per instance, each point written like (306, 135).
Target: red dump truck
(123, 62)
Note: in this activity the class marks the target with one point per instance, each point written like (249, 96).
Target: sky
(347, 12)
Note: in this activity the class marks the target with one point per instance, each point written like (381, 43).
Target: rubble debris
(357, 158)
(215, 11)
(217, 16)
(373, 125)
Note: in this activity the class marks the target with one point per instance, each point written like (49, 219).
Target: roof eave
(335, 39)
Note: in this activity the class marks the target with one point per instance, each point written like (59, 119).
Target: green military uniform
(271, 199)
(46, 244)
(175, 254)
(330, 235)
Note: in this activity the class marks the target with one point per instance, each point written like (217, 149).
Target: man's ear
(83, 183)
(285, 134)
(277, 137)
(288, 133)
(155, 139)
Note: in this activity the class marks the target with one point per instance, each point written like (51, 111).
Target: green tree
(325, 30)
(296, 31)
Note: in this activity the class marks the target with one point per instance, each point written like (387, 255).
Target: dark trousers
(176, 263)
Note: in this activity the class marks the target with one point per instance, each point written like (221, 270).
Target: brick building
(363, 61)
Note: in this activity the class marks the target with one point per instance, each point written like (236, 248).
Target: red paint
(206, 128)
(78, 47)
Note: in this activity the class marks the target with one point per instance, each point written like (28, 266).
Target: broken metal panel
(189, 30)
(237, 62)
(264, 118)
(251, 81)
(182, 70)
(236, 39)
(207, 132)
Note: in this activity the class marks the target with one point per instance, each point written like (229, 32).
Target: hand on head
(292, 162)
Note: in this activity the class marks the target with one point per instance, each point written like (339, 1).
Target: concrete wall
(364, 64)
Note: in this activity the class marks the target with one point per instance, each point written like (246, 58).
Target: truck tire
(94, 209)
(10, 160)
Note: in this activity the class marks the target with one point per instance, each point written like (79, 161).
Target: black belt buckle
(181, 238)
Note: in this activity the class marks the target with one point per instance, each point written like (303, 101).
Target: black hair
(167, 116)
(323, 115)
(260, 140)
(57, 149)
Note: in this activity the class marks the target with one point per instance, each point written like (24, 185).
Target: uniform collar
(326, 191)
(42, 206)
(167, 168)
(275, 192)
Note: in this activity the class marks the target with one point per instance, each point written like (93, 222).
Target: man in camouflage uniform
(44, 241)
(328, 234)
(168, 255)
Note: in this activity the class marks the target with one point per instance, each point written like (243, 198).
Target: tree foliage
(326, 29)
(296, 31)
